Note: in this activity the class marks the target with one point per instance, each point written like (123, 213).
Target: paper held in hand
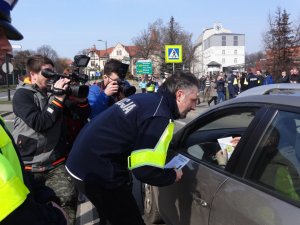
(178, 162)
(225, 143)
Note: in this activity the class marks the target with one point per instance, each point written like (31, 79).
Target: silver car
(260, 184)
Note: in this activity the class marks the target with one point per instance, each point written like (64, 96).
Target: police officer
(252, 80)
(150, 86)
(19, 202)
(133, 134)
(233, 87)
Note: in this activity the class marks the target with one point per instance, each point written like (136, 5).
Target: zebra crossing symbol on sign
(173, 53)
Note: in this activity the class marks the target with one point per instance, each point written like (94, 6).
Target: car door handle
(200, 201)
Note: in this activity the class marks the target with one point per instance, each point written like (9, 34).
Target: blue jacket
(99, 154)
(98, 100)
(268, 80)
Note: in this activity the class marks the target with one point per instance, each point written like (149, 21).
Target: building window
(235, 40)
(235, 52)
(119, 52)
(235, 60)
(223, 40)
(223, 52)
(92, 63)
(223, 60)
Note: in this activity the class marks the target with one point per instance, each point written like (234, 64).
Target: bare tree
(20, 59)
(251, 59)
(48, 51)
(151, 43)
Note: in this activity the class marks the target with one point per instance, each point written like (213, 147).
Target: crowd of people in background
(219, 86)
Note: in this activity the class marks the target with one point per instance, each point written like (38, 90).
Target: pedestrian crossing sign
(173, 53)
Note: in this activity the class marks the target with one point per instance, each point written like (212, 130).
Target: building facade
(98, 58)
(218, 50)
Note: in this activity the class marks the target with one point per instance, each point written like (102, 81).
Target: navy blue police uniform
(98, 161)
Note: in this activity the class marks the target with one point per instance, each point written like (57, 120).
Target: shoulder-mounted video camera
(75, 87)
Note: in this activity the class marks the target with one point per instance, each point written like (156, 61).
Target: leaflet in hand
(178, 162)
(225, 143)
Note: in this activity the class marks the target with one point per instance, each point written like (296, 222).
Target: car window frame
(274, 109)
(209, 117)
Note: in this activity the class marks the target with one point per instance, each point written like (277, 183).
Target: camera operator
(107, 92)
(39, 133)
(76, 112)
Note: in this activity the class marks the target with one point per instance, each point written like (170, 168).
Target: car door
(269, 190)
(190, 200)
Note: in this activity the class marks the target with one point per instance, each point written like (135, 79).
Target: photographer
(111, 88)
(39, 133)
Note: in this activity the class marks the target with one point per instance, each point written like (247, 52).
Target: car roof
(271, 89)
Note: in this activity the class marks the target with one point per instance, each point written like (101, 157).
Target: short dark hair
(35, 63)
(180, 80)
(112, 66)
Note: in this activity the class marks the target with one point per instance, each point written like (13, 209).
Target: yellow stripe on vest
(12, 194)
(153, 157)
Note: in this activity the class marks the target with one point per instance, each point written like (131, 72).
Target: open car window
(203, 142)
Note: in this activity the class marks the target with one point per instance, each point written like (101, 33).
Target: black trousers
(117, 206)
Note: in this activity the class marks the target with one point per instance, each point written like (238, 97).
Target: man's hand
(61, 84)
(178, 174)
(222, 157)
(112, 88)
(235, 141)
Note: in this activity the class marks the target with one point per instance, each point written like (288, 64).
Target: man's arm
(37, 119)
(148, 137)
(98, 100)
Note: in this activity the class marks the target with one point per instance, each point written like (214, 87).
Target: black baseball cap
(5, 20)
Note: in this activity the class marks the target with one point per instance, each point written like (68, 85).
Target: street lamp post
(105, 46)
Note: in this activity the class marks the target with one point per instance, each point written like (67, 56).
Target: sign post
(7, 68)
(144, 67)
(173, 54)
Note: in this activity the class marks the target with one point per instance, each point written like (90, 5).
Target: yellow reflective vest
(13, 191)
(150, 88)
(153, 157)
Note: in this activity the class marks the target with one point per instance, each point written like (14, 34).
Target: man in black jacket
(20, 201)
(133, 134)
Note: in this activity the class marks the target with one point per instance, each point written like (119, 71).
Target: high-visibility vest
(153, 157)
(235, 81)
(150, 88)
(13, 191)
(284, 183)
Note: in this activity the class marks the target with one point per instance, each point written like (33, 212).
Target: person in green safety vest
(21, 202)
(150, 86)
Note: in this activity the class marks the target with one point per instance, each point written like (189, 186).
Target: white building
(218, 49)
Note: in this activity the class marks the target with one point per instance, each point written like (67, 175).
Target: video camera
(74, 89)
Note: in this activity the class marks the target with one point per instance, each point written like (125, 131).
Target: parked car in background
(260, 183)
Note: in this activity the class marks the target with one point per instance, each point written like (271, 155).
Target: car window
(203, 143)
(278, 156)
(239, 119)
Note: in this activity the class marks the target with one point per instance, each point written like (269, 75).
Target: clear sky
(70, 26)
